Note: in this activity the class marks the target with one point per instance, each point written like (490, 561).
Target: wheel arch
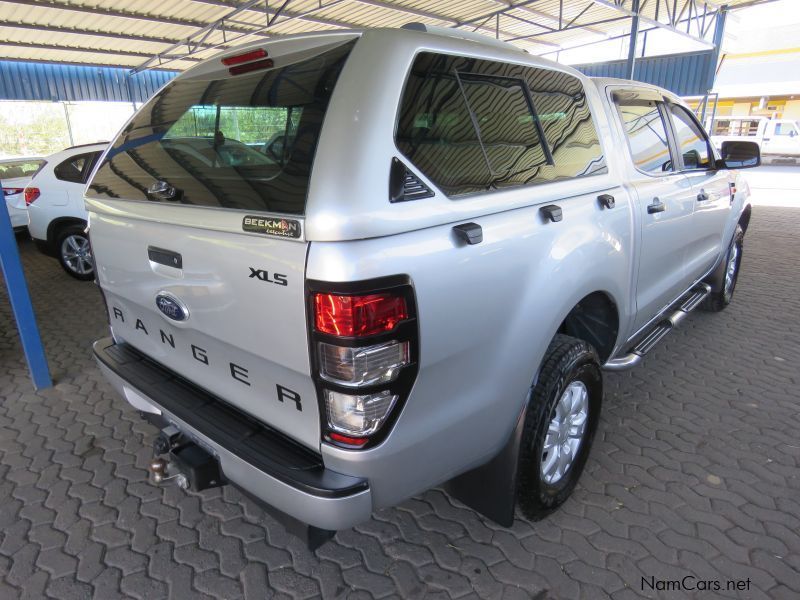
(56, 225)
(595, 320)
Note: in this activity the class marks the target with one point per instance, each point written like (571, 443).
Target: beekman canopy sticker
(288, 228)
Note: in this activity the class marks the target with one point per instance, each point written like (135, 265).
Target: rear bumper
(263, 462)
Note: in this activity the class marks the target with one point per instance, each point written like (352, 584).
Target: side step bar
(659, 330)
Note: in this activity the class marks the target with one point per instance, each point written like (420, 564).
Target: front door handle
(702, 196)
(656, 207)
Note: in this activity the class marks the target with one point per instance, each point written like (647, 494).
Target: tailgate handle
(165, 257)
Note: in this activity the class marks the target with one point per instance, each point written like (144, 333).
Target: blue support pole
(719, 34)
(21, 303)
(634, 38)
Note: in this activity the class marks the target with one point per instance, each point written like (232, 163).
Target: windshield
(244, 142)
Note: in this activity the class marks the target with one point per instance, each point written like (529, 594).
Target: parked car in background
(56, 216)
(777, 138)
(15, 173)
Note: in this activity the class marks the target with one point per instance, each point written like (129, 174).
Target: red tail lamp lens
(346, 439)
(31, 194)
(355, 316)
(243, 58)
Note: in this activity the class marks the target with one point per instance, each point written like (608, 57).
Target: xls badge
(288, 228)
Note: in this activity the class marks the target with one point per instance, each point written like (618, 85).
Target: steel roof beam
(569, 28)
(555, 19)
(287, 15)
(89, 32)
(496, 14)
(306, 16)
(36, 46)
(106, 12)
(649, 21)
(219, 25)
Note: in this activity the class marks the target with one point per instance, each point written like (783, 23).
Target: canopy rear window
(244, 142)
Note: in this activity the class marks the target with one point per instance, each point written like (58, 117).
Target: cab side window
(691, 140)
(785, 129)
(76, 169)
(474, 125)
(647, 135)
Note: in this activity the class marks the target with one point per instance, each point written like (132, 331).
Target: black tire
(76, 267)
(567, 360)
(717, 301)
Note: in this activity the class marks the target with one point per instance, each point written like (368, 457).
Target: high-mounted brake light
(31, 194)
(265, 63)
(357, 316)
(238, 59)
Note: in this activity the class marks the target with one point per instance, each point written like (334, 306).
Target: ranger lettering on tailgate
(237, 372)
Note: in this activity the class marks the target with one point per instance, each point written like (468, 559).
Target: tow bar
(187, 465)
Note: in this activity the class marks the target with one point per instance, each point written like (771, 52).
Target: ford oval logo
(171, 307)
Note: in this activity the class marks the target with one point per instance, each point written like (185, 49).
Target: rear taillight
(31, 194)
(358, 315)
(12, 191)
(364, 352)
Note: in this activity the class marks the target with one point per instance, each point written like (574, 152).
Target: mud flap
(491, 489)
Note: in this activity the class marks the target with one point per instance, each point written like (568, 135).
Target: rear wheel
(717, 301)
(74, 252)
(559, 427)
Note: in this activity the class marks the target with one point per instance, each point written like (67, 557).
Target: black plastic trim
(251, 440)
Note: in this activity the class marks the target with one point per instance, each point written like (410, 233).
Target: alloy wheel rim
(730, 271)
(77, 255)
(565, 433)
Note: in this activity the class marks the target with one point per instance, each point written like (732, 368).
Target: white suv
(56, 216)
(15, 174)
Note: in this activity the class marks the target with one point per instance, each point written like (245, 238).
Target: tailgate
(196, 214)
(244, 335)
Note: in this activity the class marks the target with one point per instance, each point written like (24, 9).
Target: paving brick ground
(694, 472)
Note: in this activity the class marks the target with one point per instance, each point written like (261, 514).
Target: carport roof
(178, 33)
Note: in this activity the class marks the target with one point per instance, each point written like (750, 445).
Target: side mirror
(740, 155)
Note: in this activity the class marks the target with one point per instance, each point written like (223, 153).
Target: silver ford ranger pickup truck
(343, 268)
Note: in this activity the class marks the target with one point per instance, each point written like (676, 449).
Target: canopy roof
(176, 34)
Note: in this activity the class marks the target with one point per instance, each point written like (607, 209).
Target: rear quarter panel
(487, 313)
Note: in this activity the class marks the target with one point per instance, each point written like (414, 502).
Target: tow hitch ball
(187, 465)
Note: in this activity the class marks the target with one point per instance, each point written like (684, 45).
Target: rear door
(664, 203)
(710, 193)
(196, 217)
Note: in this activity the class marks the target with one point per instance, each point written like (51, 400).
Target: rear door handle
(656, 207)
(606, 200)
